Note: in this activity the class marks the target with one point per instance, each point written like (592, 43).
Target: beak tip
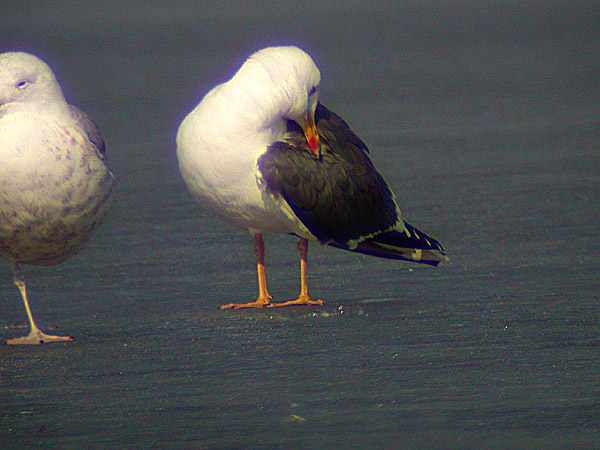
(312, 135)
(313, 144)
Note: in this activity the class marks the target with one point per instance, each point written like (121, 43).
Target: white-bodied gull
(54, 183)
(262, 152)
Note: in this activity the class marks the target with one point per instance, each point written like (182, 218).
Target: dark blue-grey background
(484, 119)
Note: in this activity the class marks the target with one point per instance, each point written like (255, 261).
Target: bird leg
(35, 336)
(303, 298)
(264, 299)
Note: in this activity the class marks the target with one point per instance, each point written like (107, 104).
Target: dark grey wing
(339, 137)
(339, 196)
(90, 128)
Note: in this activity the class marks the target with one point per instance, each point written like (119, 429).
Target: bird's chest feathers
(44, 159)
(40, 145)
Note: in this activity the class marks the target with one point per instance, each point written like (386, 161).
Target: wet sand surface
(483, 119)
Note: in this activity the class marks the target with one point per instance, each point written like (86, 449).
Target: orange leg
(35, 336)
(264, 299)
(303, 298)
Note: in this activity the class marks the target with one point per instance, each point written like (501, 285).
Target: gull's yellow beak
(311, 133)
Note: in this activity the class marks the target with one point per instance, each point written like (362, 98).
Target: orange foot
(266, 303)
(260, 302)
(304, 300)
(37, 337)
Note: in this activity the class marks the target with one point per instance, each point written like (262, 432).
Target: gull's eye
(22, 84)
(312, 90)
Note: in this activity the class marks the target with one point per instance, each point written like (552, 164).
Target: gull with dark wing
(263, 153)
(54, 182)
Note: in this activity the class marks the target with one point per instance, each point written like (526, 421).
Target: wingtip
(442, 260)
(408, 244)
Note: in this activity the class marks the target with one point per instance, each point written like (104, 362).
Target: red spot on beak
(311, 133)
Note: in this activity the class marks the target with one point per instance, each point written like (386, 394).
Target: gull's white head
(285, 82)
(25, 78)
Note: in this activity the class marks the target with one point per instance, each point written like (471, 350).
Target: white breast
(218, 151)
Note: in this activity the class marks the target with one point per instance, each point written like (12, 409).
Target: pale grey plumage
(54, 182)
